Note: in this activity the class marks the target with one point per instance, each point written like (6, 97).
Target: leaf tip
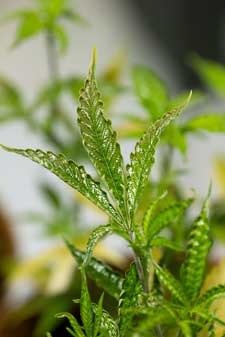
(93, 61)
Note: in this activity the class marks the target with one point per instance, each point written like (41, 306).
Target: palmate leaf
(144, 156)
(211, 295)
(73, 175)
(197, 250)
(103, 275)
(86, 310)
(129, 297)
(166, 217)
(99, 138)
(169, 282)
(76, 328)
(95, 236)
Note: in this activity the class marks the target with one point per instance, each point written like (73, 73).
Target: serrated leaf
(144, 156)
(102, 274)
(86, 310)
(99, 138)
(97, 234)
(108, 325)
(73, 175)
(211, 295)
(150, 212)
(73, 322)
(166, 217)
(207, 122)
(197, 250)
(129, 297)
(169, 282)
(98, 317)
(196, 97)
(161, 241)
(150, 90)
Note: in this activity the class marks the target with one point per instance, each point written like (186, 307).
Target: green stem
(141, 273)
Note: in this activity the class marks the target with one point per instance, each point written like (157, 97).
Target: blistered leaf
(169, 282)
(166, 217)
(73, 322)
(69, 172)
(150, 90)
(129, 297)
(150, 212)
(86, 310)
(108, 325)
(95, 236)
(197, 250)
(99, 138)
(102, 274)
(211, 295)
(98, 317)
(144, 156)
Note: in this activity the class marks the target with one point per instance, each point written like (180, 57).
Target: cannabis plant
(151, 300)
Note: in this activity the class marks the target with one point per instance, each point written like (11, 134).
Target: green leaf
(175, 136)
(198, 246)
(48, 334)
(73, 175)
(99, 138)
(161, 241)
(61, 37)
(169, 282)
(108, 325)
(211, 295)
(210, 122)
(86, 310)
(103, 275)
(150, 90)
(30, 24)
(196, 97)
(144, 156)
(212, 73)
(166, 217)
(98, 317)
(150, 212)
(95, 236)
(129, 297)
(73, 322)
(211, 330)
